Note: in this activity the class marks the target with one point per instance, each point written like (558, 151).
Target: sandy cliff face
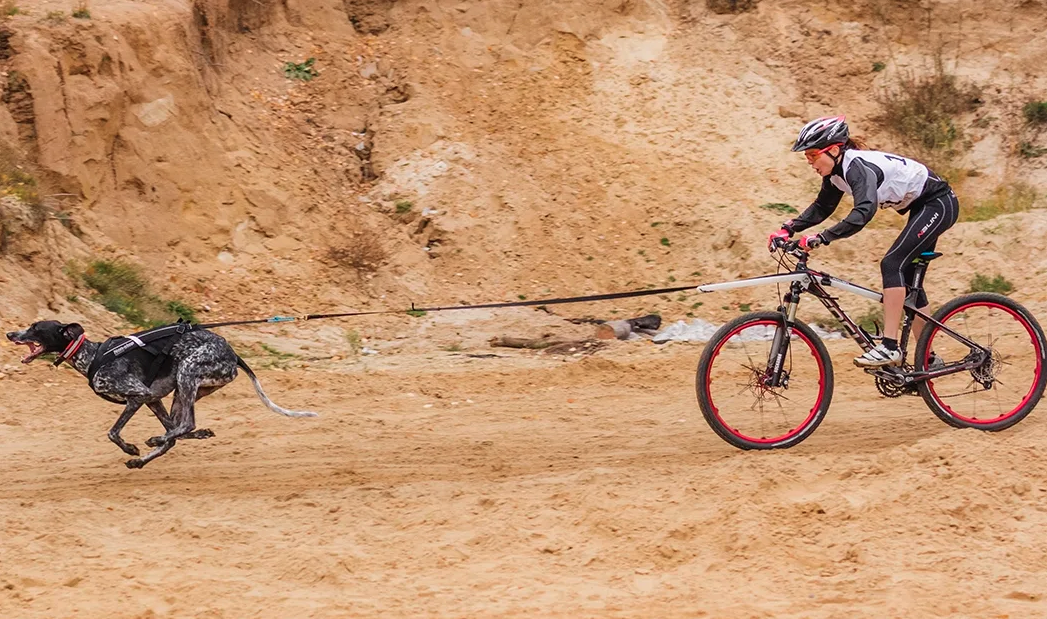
(541, 152)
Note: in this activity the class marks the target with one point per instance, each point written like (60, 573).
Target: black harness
(151, 349)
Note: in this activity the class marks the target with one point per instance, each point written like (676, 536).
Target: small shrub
(878, 66)
(723, 7)
(364, 254)
(301, 70)
(9, 8)
(416, 313)
(1005, 199)
(780, 207)
(921, 110)
(404, 206)
(665, 241)
(871, 320)
(998, 284)
(55, 17)
(355, 343)
(121, 289)
(80, 11)
(1027, 150)
(1035, 112)
(15, 181)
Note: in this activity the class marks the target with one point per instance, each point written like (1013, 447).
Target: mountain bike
(765, 379)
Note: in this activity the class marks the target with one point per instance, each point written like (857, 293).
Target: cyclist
(874, 179)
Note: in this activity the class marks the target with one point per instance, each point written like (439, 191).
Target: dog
(196, 363)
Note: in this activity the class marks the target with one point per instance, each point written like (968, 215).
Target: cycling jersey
(873, 179)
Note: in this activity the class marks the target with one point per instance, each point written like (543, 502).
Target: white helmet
(822, 133)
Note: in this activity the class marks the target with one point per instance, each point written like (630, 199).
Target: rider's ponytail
(855, 143)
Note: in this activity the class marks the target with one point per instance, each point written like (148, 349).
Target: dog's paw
(154, 441)
(130, 449)
(201, 434)
(137, 463)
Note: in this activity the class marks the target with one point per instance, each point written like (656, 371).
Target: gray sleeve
(828, 199)
(862, 179)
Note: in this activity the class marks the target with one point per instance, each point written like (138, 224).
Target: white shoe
(879, 357)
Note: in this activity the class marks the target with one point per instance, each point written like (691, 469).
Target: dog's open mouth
(35, 350)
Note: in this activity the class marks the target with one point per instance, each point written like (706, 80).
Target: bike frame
(803, 280)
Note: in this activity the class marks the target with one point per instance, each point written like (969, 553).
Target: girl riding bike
(874, 179)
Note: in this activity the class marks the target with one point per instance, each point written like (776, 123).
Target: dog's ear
(72, 331)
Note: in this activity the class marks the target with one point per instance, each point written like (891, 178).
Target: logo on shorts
(930, 223)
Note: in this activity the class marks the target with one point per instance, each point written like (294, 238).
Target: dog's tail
(265, 399)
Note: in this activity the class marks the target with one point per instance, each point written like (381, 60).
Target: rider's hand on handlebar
(778, 239)
(811, 241)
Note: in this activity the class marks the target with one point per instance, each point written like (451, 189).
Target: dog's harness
(150, 348)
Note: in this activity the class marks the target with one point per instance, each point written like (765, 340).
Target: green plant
(998, 284)
(456, 347)
(655, 224)
(55, 17)
(355, 343)
(1028, 150)
(81, 11)
(522, 297)
(780, 207)
(922, 110)
(9, 8)
(416, 313)
(1035, 112)
(871, 320)
(276, 353)
(665, 241)
(745, 307)
(878, 66)
(121, 289)
(404, 206)
(301, 70)
(1005, 199)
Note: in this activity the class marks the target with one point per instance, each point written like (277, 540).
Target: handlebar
(791, 247)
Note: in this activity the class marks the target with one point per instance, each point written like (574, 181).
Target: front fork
(775, 375)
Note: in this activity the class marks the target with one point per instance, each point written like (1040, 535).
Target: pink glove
(811, 241)
(782, 235)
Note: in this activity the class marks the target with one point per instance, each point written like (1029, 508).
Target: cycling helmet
(822, 133)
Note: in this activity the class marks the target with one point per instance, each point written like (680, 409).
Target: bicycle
(773, 397)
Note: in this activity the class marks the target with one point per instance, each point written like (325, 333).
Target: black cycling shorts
(920, 234)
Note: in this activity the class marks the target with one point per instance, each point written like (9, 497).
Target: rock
(789, 112)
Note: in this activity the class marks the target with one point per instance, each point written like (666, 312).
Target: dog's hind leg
(161, 413)
(114, 433)
(181, 418)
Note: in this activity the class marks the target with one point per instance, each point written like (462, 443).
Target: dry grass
(363, 253)
(922, 110)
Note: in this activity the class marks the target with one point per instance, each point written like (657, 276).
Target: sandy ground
(524, 485)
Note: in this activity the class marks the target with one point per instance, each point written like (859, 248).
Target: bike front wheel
(1006, 384)
(734, 386)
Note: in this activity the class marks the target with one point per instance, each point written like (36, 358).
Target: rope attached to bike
(537, 302)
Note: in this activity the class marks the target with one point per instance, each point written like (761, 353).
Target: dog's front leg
(114, 432)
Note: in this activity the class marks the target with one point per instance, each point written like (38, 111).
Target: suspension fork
(782, 336)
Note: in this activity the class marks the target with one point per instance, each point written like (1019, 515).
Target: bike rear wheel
(1007, 385)
(733, 388)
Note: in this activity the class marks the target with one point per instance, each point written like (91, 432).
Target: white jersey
(902, 182)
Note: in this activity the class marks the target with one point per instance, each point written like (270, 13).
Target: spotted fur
(201, 363)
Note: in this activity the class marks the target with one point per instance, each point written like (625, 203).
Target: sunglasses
(812, 156)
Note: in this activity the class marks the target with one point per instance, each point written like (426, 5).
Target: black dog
(196, 363)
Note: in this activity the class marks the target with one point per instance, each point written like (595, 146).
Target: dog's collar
(70, 350)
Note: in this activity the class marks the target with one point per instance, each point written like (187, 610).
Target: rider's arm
(863, 182)
(823, 206)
